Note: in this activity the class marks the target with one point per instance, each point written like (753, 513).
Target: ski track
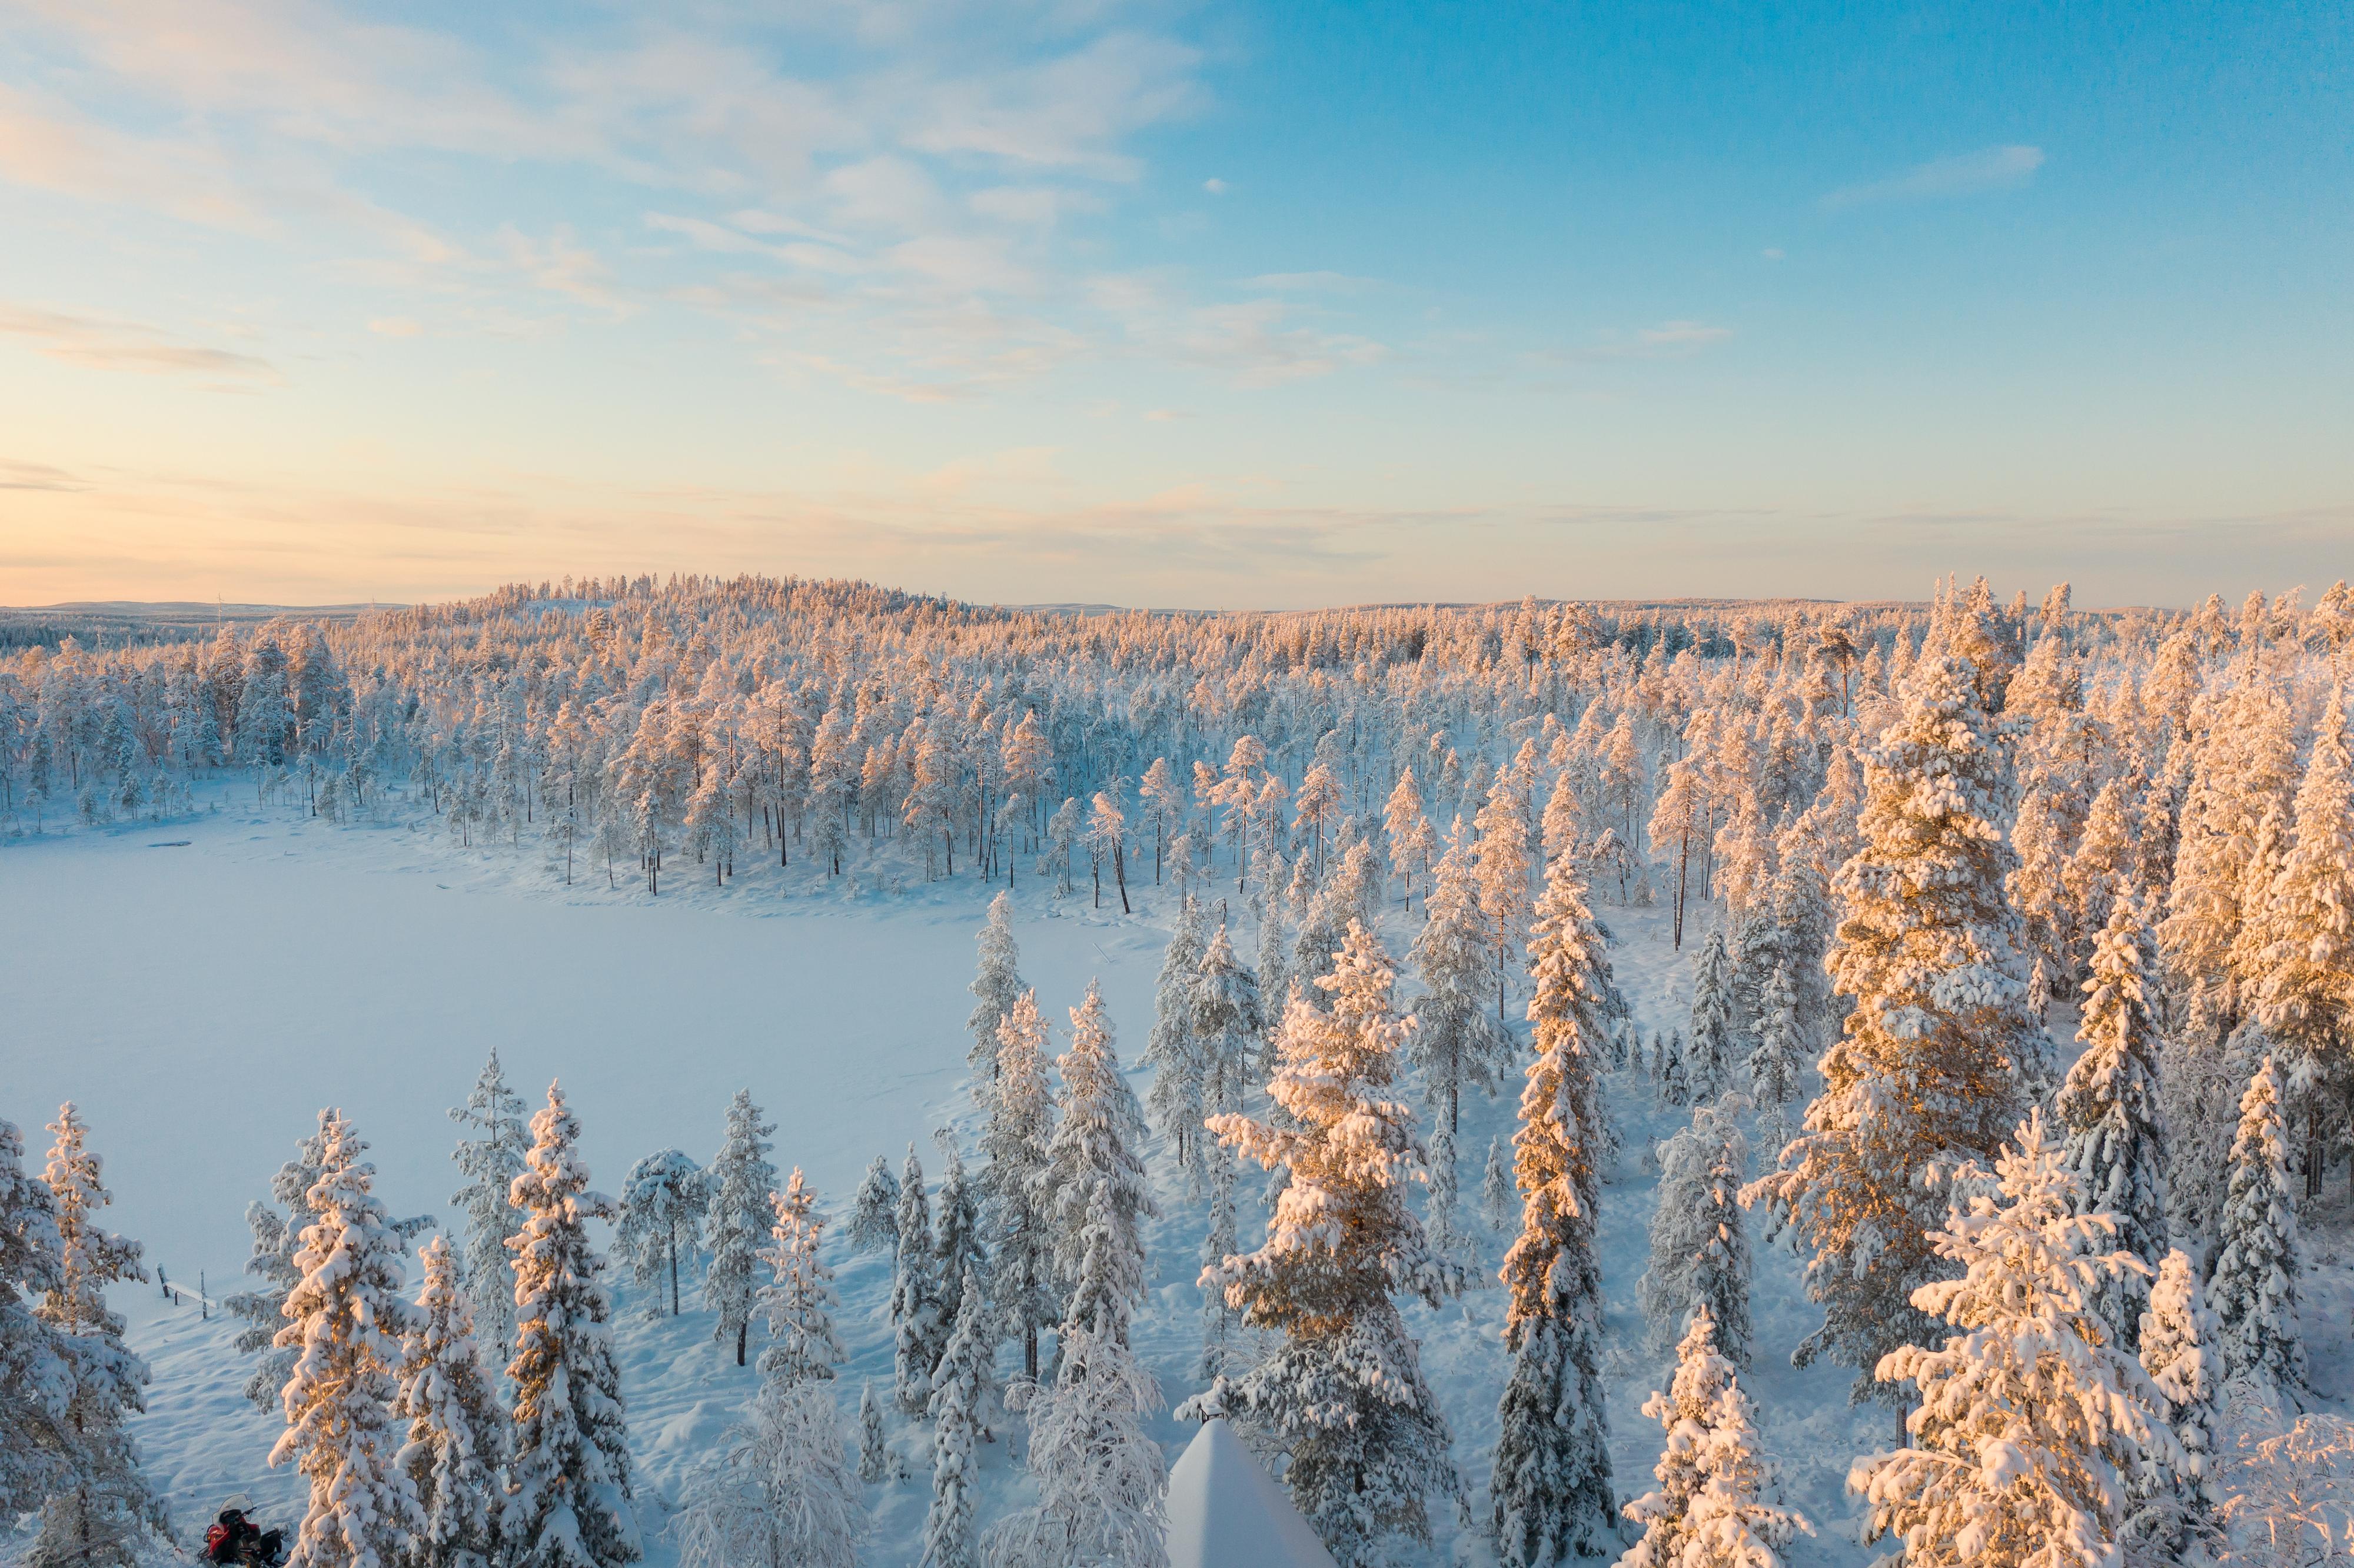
(202, 1002)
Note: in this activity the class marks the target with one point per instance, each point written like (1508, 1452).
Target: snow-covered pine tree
(1228, 1023)
(2252, 1286)
(2030, 1419)
(1708, 1058)
(874, 1213)
(1443, 1209)
(1777, 1061)
(1708, 1511)
(2179, 1352)
(958, 1247)
(781, 1491)
(489, 1160)
(1700, 1242)
(1172, 1049)
(2108, 1111)
(663, 1199)
(1411, 840)
(1093, 1148)
(2304, 931)
(1926, 1072)
(799, 1300)
(959, 1391)
(1342, 1391)
(918, 1331)
(1455, 1040)
(1018, 1217)
(1101, 1478)
(38, 1454)
(1551, 1490)
(1219, 1320)
(874, 1452)
(344, 1320)
(1498, 1197)
(737, 1221)
(456, 1447)
(569, 1498)
(102, 1515)
(1500, 868)
(995, 989)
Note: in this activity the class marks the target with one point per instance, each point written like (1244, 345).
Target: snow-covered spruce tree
(875, 1211)
(2304, 996)
(918, 1331)
(1101, 1478)
(1091, 1161)
(798, 1302)
(457, 1435)
(995, 989)
(2108, 1112)
(781, 1491)
(1777, 1061)
(569, 1501)
(490, 1159)
(2177, 1351)
(2030, 1420)
(1926, 1071)
(1498, 1197)
(1455, 1040)
(2252, 1286)
(1709, 1052)
(1443, 1209)
(1500, 867)
(1017, 1213)
(958, 1245)
(1219, 1320)
(1700, 1242)
(1342, 1391)
(1172, 1050)
(102, 1515)
(1709, 1508)
(276, 1239)
(663, 1201)
(874, 1453)
(1228, 1023)
(959, 1393)
(1668, 1068)
(38, 1456)
(1411, 840)
(344, 1322)
(737, 1221)
(1551, 1490)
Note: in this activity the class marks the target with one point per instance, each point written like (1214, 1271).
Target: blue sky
(1205, 305)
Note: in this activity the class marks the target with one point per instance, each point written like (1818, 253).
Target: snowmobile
(234, 1540)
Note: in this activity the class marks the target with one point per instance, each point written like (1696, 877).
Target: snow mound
(1226, 1510)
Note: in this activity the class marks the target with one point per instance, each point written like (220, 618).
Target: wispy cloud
(1969, 173)
(105, 344)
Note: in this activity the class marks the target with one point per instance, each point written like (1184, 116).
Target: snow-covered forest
(1697, 1084)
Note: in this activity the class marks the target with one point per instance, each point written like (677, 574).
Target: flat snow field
(201, 1001)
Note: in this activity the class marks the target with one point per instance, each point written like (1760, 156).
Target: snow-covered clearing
(201, 1002)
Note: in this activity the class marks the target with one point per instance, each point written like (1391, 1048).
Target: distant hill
(115, 623)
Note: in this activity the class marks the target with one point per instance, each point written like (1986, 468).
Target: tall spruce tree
(1090, 1163)
(995, 989)
(739, 1182)
(344, 1320)
(2030, 1418)
(570, 1502)
(2108, 1110)
(1552, 1487)
(920, 1332)
(1455, 1040)
(1173, 1050)
(2252, 1286)
(489, 1160)
(1709, 1052)
(1018, 1215)
(1928, 1070)
(456, 1449)
(1341, 1391)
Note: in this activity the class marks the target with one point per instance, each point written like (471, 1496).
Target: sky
(1219, 305)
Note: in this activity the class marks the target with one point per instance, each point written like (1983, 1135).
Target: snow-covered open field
(202, 1002)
